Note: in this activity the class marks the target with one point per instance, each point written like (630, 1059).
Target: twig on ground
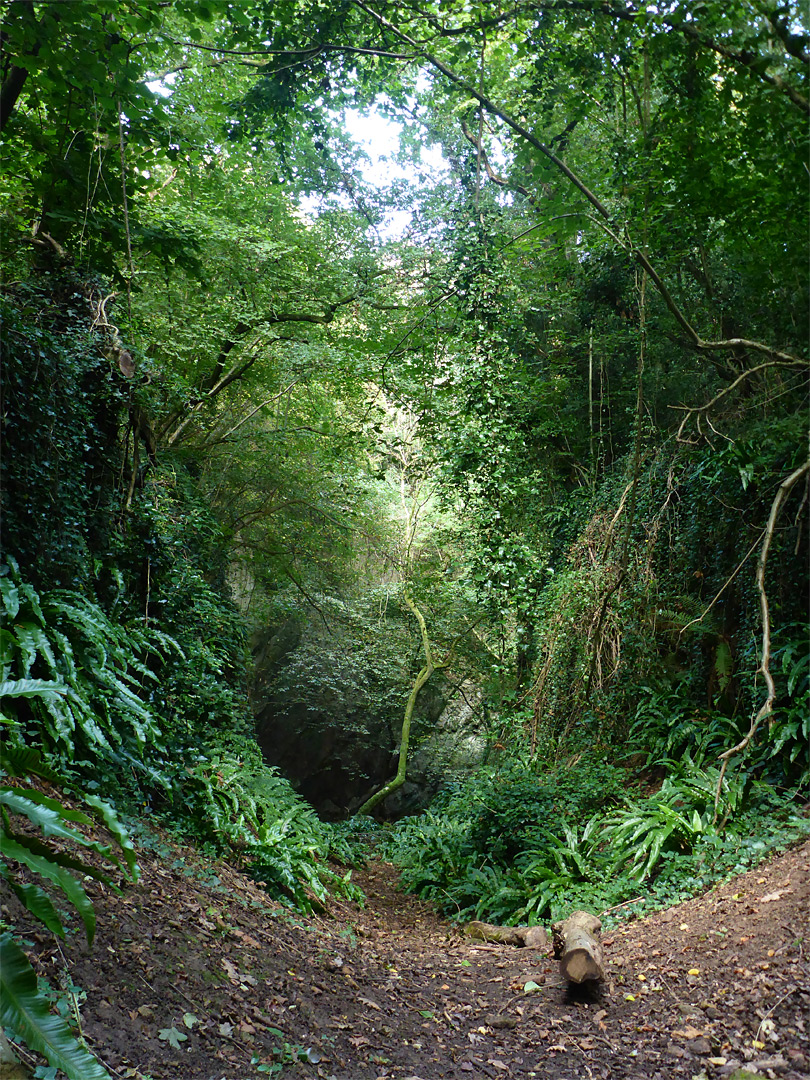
(792, 990)
(627, 903)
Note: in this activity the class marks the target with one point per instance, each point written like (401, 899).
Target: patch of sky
(163, 87)
(383, 165)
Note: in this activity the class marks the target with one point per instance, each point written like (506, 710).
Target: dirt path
(195, 979)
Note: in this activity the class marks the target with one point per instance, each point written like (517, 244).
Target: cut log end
(534, 937)
(578, 947)
(579, 965)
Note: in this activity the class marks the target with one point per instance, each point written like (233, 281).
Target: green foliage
(789, 730)
(63, 406)
(675, 818)
(650, 635)
(544, 372)
(285, 1054)
(516, 804)
(137, 684)
(476, 854)
(668, 725)
(353, 841)
(92, 710)
(86, 68)
(242, 805)
(653, 850)
(23, 1007)
(73, 679)
(25, 1010)
(52, 819)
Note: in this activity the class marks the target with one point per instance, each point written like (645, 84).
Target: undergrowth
(80, 687)
(520, 846)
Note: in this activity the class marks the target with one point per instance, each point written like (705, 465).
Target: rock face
(328, 715)
(270, 648)
(312, 720)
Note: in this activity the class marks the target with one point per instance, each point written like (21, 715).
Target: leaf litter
(195, 978)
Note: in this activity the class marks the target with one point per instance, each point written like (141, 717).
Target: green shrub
(78, 685)
(788, 742)
(667, 723)
(482, 850)
(648, 853)
(63, 414)
(241, 804)
(509, 807)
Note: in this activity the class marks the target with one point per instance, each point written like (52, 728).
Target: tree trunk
(17, 74)
(525, 937)
(404, 741)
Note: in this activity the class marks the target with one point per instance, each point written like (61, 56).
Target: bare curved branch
(697, 410)
(766, 708)
(215, 439)
(726, 584)
(425, 672)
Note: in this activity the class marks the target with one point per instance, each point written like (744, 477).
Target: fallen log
(525, 937)
(578, 948)
(534, 937)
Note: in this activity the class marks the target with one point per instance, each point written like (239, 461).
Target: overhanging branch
(698, 410)
(219, 380)
(636, 252)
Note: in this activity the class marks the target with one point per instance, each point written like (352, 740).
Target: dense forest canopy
(506, 436)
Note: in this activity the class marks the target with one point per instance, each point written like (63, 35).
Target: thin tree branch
(766, 708)
(305, 54)
(691, 410)
(211, 441)
(785, 359)
(750, 61)
(728, 581)
(307, 596)
(488, 104)
(235, 373)
(218, 382)
(424, 674)
(239, 331)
